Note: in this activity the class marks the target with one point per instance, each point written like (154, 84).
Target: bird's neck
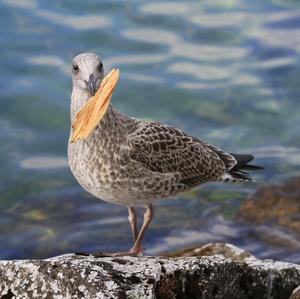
(110, 124)
(79, 98)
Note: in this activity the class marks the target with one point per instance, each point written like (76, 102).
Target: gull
(133, 162)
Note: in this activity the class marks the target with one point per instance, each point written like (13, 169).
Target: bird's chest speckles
(97, 162)
(102, 164)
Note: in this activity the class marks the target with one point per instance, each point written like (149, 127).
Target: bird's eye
(75, 68)
(100, 67)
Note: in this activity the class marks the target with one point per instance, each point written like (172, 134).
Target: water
(227, 71)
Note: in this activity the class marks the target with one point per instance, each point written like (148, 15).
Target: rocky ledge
(228, 273)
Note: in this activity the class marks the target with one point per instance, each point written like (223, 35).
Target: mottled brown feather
(165, 149)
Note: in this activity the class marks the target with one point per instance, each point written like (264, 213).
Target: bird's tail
(241, 171)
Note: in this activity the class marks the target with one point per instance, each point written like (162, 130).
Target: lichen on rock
(71, 276)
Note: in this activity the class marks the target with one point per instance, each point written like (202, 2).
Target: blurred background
(227, 71)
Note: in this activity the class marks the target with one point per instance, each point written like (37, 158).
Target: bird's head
(87, 72)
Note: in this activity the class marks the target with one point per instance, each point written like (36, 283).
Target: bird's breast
(97, 163)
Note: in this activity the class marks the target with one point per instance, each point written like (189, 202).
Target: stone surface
(275, 203)
(69, 276)
(295, 294)
(227, 250)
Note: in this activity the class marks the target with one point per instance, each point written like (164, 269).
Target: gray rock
(295, 294)
(226, 250)
(70, 276)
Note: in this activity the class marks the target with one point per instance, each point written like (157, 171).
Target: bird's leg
(133, 222)
(132, 217)
(137, 248)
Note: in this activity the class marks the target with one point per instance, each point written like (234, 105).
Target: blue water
(224, 70)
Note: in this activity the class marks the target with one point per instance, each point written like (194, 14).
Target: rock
(295, 294)
(227, 250)
(70, 276)
(275, 203)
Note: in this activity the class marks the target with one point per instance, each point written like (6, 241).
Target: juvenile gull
(133, 162)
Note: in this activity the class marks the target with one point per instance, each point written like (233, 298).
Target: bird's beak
(93, 84)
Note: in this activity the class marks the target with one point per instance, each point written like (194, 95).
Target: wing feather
(165, 149)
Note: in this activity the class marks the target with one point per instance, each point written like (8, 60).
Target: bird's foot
(114, 254)
(132, 252)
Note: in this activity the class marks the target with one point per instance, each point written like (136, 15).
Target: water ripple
(48, 60)
(217, 20)
(277, 37)
(39, 163)
(142, 78)
(202, 72)
(290, 155)
(167, 8)
(78, 22)
(141, 59)
(276, 62)
(28, 4)
(208, 52)
(199, 86)
(152, 36)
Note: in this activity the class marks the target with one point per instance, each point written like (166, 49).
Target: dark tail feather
(239, 171)
(251, 167)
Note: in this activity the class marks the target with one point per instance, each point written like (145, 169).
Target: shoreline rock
(240, 275)
(279, 204)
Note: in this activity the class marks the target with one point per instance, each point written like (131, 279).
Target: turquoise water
(224, 70)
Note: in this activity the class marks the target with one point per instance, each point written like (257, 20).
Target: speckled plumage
(105, 164)
(133, 162)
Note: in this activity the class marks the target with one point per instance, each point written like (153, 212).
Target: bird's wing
(165, 149)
